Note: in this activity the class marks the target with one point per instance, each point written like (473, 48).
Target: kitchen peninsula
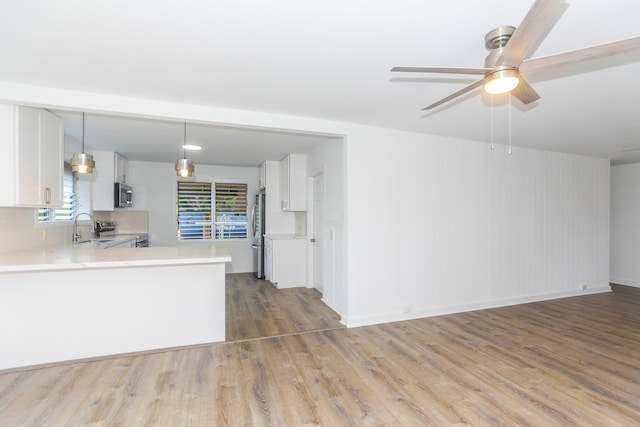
(67, 303)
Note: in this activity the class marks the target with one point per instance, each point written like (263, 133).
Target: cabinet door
(262, 178)
(51, 159)
(268, 263)
(40, 158)
(27, 140)
(288, 263)
(102, 196)
(284, 184)
(293, 182)
(121, 168)
(298, 182)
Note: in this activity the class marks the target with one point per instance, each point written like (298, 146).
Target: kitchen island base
(60, 315)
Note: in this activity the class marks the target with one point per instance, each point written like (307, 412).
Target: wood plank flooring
(573, 361)
(256, 309)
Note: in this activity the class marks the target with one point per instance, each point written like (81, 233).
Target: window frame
(209, 220)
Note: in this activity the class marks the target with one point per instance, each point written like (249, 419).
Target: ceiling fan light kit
(501, 81)
(509, 58)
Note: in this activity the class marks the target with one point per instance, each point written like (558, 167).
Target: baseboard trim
(353, 322)
(626, 282)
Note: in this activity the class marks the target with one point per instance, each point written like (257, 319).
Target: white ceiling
(161, 140)
(325, 59)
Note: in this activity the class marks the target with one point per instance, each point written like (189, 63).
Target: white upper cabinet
(262, 178)
(121, 168)
(110, 168)
(32, 140)
(276, 221)
(293, 183)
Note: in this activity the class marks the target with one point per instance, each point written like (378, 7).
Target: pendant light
(82, 163)
(184, 166)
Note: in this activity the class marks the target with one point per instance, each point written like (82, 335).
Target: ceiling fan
(507, 64)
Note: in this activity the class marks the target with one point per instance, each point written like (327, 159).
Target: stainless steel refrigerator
(257, 222)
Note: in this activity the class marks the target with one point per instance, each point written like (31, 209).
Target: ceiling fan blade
(452, 70)
(535, 65)
(455, 95)
(532, 30)
(525, 93)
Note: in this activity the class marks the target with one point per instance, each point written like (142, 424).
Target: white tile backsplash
(19, 231)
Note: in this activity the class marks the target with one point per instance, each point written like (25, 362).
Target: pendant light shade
(82, 163)
(184, 166)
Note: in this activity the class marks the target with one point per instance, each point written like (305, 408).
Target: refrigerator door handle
(253, 220)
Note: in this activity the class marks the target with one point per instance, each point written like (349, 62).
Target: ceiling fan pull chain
(509, 113)
(492, 146)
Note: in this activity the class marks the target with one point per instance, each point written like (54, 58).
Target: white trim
(626, 282)
(396, 317)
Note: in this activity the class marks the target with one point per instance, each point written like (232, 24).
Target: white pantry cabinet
(293, 183)
(32, 141)
(285, 261)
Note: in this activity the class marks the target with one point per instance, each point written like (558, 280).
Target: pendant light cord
(184, 142)
(83, 132)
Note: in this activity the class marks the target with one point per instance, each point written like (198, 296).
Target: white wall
(155, 191)
(484, 228)
(625, 225)
(438, 225)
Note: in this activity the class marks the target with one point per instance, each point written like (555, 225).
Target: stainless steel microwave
(123, 195)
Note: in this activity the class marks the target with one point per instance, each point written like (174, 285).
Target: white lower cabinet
(285, 261)
(268, 259)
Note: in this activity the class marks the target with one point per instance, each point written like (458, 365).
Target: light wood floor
(256, 309)
(574, 361)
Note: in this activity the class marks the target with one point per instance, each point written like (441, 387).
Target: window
(70, 201)
(231, 211)
(195, 210)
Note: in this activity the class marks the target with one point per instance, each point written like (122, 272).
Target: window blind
(231, 210)
(194, 210)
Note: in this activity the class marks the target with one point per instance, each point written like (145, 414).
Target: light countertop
(283, 236)
(69, 257)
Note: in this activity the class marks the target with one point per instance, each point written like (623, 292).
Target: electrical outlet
(583, 286)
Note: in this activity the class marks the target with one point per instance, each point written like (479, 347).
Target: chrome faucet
(77, 236)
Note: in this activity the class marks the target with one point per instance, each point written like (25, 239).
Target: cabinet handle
(47, 195)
